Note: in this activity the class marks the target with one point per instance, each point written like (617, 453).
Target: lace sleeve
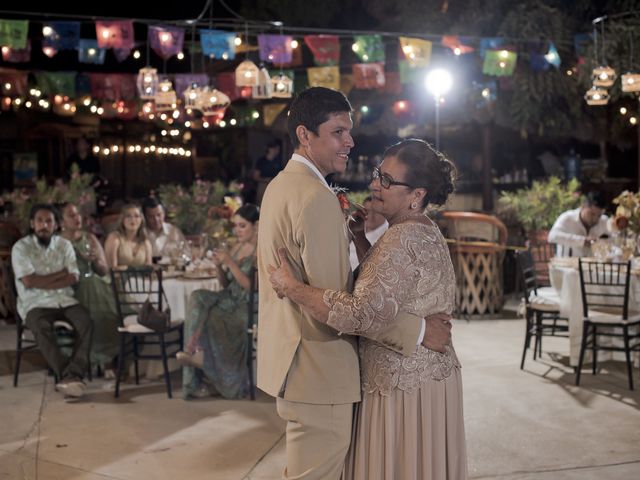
(391, 278)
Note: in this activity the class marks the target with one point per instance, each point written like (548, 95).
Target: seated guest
(575, 230)
(216, 323)
(374, 226)
(128, 246)
(93, 291)
(45, 269)
(159, 232)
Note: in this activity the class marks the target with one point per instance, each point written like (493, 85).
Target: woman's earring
(414, 205)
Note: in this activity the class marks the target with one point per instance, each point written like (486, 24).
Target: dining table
(565, 279)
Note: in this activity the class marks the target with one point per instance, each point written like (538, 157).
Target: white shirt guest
(45, 268)
(159, 232)
(575, 230)
(374, 226)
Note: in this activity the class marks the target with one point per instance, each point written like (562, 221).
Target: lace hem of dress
(384, 370)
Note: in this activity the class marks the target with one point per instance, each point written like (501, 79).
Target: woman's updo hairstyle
(426, 168)
(249, 211)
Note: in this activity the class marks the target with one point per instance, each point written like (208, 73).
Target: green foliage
(189, 208)
(78, 190)
(358, 196)
(538, 207)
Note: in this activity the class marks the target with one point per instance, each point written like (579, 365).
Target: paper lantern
(147, 83)
(165, 97)
(247, 74)
(630, 82)
(192, 96)
(212, 102)
(263, 89)
(596, 96)
(281, 86)
(603, 76)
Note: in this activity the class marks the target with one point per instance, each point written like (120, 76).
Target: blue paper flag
(552, 57)
(61, 35)
(88, 52)
(493, 43)
(218, 43)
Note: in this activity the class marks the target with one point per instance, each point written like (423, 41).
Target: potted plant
(537, 208)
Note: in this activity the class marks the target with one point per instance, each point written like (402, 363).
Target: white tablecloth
(178, 291)
(566, 281)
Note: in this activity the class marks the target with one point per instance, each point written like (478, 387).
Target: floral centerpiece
(78, 190)
(204, 207)
(627, 216)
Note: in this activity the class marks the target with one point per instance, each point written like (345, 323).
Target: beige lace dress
(409, 425)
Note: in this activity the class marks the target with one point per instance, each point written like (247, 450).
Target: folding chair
(542, 311)
(605, 302)
(252, 329)
(131, 288)
(25, 339)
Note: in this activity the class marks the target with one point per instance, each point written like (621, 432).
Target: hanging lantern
(263, 88)
(212, 101)
(147, 83)
(603, 76)
(630, 82)
(281, 86)
(596, 96)
(165, 97)
(192, 96)
(247, 74)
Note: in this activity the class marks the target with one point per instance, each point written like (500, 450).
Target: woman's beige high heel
(195, 359)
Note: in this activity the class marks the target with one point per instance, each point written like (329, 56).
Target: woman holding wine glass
(93, 290)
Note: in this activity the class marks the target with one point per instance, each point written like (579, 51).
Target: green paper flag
(60, 83)
(13, 33)
(499, 63)
(410, 73)
(369, 48)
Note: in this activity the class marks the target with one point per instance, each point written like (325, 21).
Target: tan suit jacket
(300, 359)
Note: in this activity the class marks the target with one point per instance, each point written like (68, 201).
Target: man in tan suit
(311, 370)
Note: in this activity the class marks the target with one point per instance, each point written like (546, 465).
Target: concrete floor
(532, 424)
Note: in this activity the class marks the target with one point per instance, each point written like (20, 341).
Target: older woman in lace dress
(409, 425)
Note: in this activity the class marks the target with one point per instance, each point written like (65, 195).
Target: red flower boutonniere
(346, 205)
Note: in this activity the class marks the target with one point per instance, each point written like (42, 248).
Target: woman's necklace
(407, 216)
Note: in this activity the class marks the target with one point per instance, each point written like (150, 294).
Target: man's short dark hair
(312, 107)
(595, 199)
(151, 202)
(43, 206)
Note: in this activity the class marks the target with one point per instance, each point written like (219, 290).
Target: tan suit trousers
(318, 438)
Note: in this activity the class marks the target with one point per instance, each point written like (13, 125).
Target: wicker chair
(477, 249)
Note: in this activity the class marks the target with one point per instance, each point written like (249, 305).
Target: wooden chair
(477, 247)
(25, 340)
(131, 288)
(542, 311)
(542, 253)
(252, 330)
(605, 302)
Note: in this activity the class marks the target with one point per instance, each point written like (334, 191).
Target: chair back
(470, 226)
(8, 293)
(527, 270)
(605, 286)
(135, 285)
(542, 253)
(252, 328)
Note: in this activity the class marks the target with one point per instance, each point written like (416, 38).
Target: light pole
(438, 83)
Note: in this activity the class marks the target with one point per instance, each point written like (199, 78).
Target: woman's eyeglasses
(385, 180)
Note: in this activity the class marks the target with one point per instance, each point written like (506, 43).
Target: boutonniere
(346, 205)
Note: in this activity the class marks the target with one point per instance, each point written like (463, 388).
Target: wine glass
(87, 252)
